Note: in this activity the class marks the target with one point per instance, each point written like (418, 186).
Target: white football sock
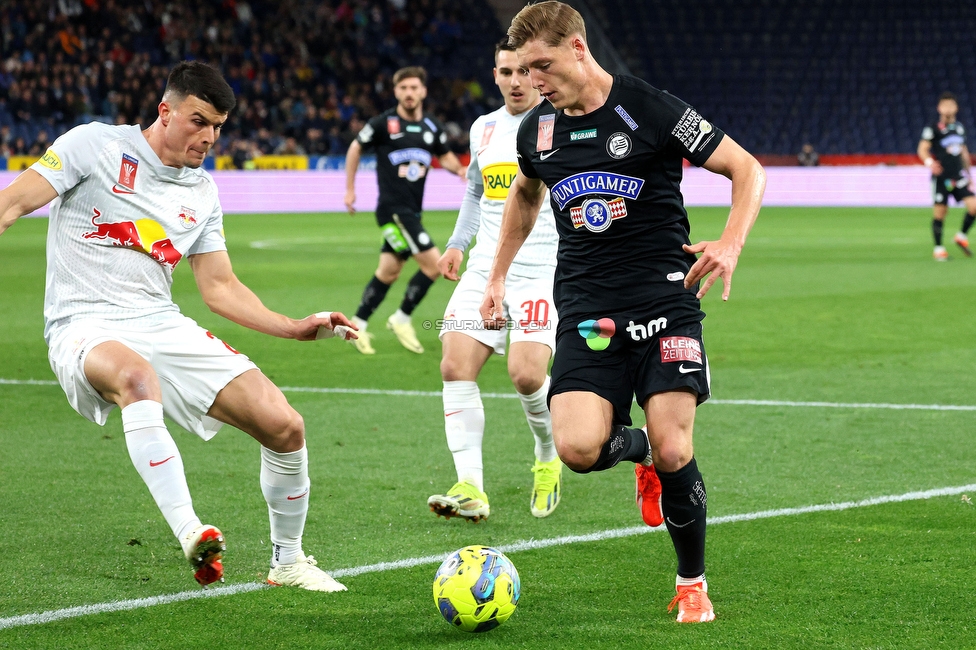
(540, 422)
(399, 317)
(464, 424)
(359, 323)
(691, 582)
(285, 485)
(158, 461)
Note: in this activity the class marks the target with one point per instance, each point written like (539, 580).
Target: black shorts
(403, 233)
(620, 357)
(945, 186)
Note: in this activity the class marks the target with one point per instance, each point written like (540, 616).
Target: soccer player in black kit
(404, 140)
(942, 149)
(610, 150)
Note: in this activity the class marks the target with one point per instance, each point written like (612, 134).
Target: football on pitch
(477, 588)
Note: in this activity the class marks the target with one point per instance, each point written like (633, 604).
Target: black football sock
(937, 231)
(683, 502)
(372, 297)
(624, 444)
(967, 222)
(416, 290)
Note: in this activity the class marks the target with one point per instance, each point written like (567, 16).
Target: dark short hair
(948, 95)
(202, 81)
(503, 46)
(410, 72)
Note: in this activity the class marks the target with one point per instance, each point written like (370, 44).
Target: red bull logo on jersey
(127, 173)
(187, 217)
(144, 235)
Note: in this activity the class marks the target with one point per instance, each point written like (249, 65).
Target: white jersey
(122, 221)
(493, 166)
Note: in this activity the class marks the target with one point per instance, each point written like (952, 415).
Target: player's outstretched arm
(352, 165)
(227, 296)
(28, 192)
(522, 206)
(718, 258)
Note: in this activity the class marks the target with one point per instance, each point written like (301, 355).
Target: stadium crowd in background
(305, 73)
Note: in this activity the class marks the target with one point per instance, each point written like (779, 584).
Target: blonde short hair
(550, 22)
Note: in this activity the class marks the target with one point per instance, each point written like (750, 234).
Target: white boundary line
(515, 547)
(717, 402)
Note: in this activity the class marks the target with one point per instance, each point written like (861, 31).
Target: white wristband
(928, 162)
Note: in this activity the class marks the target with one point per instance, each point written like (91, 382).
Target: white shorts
(528, 308)
(192, 365)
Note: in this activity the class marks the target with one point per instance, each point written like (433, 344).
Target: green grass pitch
(839, 306)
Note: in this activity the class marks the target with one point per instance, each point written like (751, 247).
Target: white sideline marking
(843, 405)
(514, 547)
(717, 402)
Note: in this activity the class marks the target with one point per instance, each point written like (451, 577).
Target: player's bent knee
(136, 383)
(672, 457)
(526, 380)
(288, 432)
(575, 457)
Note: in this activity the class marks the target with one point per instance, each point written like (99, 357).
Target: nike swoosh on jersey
(115, 188)
(685, 371)
(545, 155)
(396, 136)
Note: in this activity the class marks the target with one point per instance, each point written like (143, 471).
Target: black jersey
(947, 143)
(614, 181)
(403, 154)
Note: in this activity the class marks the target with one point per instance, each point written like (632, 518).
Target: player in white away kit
(529, 309)
(128, 206)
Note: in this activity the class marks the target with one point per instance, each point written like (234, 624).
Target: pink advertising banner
(323, 191)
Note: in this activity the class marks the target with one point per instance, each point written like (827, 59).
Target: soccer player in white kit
(531, 316)
(128, 206)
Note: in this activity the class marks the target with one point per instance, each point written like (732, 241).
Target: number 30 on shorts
(536, 314)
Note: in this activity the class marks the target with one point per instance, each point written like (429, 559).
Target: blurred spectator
(40, 145)
(290, 147)
(243, 154)
(66, 62)
(808, 157)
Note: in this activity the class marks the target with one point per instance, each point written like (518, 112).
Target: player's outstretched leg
(285, 485)
(547, 470)
(157, 459)
(464, 425)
